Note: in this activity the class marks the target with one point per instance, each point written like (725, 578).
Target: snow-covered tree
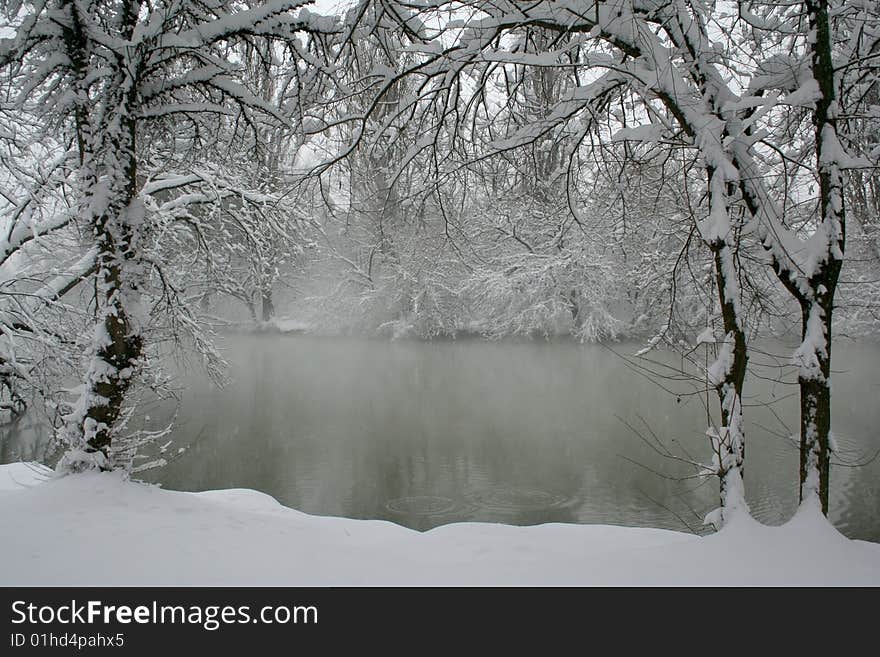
(133, 90)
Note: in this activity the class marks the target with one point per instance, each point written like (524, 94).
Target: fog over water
(428, 433)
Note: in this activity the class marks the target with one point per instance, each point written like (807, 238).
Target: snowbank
(98, 529)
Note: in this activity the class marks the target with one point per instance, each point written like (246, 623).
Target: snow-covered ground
(99, 529)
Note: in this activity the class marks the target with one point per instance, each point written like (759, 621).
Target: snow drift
(100, 529)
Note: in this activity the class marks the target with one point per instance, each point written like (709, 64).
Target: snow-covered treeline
(677, 171)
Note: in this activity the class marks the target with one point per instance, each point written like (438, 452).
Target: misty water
(428, 433)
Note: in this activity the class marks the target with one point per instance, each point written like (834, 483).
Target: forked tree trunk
(814, 284)
(817, 300)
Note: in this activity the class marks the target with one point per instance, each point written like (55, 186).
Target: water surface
(428, 433)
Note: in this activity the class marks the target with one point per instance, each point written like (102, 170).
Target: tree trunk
(574, 307)
(730, 387)
(727, 373)
(818, 302)
(118, 343)
(266, 304)
(115, 214)
(814, 356)
(814, 283)
(815, 449)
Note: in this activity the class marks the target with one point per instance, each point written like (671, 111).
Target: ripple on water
(422, 505)
(514, 498)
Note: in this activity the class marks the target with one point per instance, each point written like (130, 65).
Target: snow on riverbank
(98, 529)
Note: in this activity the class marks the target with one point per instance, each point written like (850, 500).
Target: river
(428, 433)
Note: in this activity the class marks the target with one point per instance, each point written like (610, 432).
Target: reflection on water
(424, 434)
